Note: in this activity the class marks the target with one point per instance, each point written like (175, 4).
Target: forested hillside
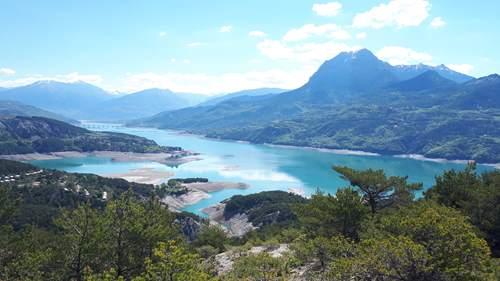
(20, 135)
(60, 226)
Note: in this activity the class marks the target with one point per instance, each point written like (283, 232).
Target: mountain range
(69, 99)
(82, 100)
(356, 101)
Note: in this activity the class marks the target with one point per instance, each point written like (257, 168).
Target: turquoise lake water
(261, 167)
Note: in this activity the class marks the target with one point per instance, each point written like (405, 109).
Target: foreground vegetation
(372, 230)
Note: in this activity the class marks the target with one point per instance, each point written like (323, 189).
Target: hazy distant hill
(143, 104)
(70, 99)
(405, 72)
(356, 101)
(426, 81)
(81, 100)
(247, 93)
(13, 108)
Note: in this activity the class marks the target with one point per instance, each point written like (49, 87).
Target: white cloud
(307, 46)
(68, 78)
(257, 33)
(7, 71)
(308, 30)
(215, 84)
(400, 13)
(437, 22)
(226, 28)
(396, 55)
(194, 44)
(361, 35)
(162, 34)
(311, 54)
(274, 49)
(462, 68)
(327, 9)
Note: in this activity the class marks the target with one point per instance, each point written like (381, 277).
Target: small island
(180, 193)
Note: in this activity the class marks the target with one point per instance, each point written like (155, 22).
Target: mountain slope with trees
(21, 135)
(356, 101)
(61, 226)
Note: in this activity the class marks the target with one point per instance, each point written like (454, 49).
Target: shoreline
(172, 159)
(236, 226)
(418, 157)
(143, 175)
(197, 192)
(421, 157)
(326, 150)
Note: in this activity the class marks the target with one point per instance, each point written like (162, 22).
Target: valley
(269, 167)
(249, 140)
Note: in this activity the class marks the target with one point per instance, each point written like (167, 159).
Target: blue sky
(222, 46)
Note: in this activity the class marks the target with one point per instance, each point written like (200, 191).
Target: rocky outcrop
(189, 226)
(236, 226)
(224, 261)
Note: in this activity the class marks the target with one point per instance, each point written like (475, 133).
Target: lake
(262, 167)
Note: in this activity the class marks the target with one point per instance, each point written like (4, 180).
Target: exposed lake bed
(259, 167)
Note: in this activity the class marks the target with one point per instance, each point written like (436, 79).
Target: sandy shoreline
(196, 191)
(327, 150)
(143, 175)
(215, 186)
(172, 159)
(418, 157)
(199, 191)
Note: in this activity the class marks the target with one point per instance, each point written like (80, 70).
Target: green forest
(59, 226)
(22, 134)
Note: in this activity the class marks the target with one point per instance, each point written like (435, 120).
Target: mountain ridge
(58, 97)
(437, 120)
(428, 80)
